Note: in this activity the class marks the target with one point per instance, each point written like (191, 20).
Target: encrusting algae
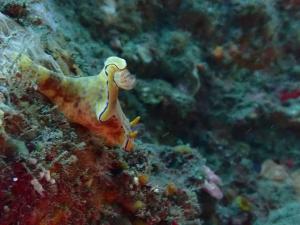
(91, 101)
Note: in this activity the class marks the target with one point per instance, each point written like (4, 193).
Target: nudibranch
(91, 101)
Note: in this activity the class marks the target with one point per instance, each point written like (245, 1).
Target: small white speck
(15, 179)
(32, 161)
(52, 181)
(6, 208)
(156, 190)
(136, 180)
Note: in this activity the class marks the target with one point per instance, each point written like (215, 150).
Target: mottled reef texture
(218, 84)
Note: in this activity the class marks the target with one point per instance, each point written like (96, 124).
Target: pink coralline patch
(287, 95)
(211, 183)
(289, 163)
(213, 190)
(174, 223)
(211, 176)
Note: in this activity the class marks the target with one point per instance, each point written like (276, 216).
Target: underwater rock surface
(217, 91)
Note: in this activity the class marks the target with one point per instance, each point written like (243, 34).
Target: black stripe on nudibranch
(126, 144)
(107, 73)
(106, 106)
